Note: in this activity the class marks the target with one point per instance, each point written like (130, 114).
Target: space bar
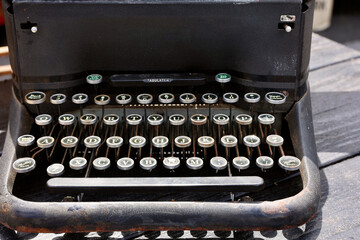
(157, 184)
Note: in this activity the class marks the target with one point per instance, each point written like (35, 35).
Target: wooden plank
(336, 111)
(4, 51)
(325, 52)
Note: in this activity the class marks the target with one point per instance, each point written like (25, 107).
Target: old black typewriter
(158, 115)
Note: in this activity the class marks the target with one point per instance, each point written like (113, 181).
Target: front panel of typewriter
(145, 101)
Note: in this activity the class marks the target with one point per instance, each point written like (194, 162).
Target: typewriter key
(55, 170)
(231, 98)
(160, 141)
(251, 141)
(26, 140)
(241, 163)
(111, 119)
(221, 119)
(198, 119)
(101, 163)
(45, 142)
(123, 99)
(274, 140)
(148, 163)
(102, 99)
(69, 141)
(134, 119)
(88, 119)
(275, 98)
(125, 163)
(289, 163)
(166, 98)
(223, 78)
(252, 97)
(24, 165)
(114, 142)
(218, 163)
(155, 119)
(209, 98)
(187, 98)
(137, 142)
(206, 141)
(229, 141)
(78, 163)
(43, 119)
(66, 119)
(266, 119)
(182, 141)
(35, 98)
(177, 119)
(80, 99)
(92, 141)
(243, 119)
(94, 79)
(194, 163)
(58, 98)
(144, 98)
(171, 162)
(264, 162)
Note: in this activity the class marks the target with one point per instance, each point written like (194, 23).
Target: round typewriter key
(144, 98)
(166, 98)
(134, 119)
(182, 141)
(266, 119)
(251, 141)
(206, 141)
(35, 98)
(55, 170)
(187, 98)
(137, 141)
(264, 162)
(177, 119)
(252, 97)
(26, 140)
(43, 119)
(275, 140)
(275, 98)
(223, 78)
(198, 119)
(58, 98)
(80, 98)
(88, 119)
(102, 99)
(94, 79)
(66, 119)
(194, 163)
(155, 119)
(231, 98)
(243, 119)
(69, 141)
(92, 141)
(114, 142)
(229, 141)
(101, 163)
(289, 163)
(209, 98)
(241, 163)
(78, 163)
(171, 162)
(218, 163)
(45, 142)
(125, 163)
(221, 119)
(24, 165)
(123, 99)
(148, 163)
(111, 119)
(160, 141)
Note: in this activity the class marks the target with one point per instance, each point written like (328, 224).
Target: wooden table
(335, 90)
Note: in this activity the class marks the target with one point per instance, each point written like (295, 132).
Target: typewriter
(127, 114)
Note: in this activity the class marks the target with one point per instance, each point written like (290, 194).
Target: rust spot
(4, 208)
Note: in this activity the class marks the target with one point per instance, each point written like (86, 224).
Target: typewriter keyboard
(192, 141)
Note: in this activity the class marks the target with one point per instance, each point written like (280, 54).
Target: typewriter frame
(30, 216)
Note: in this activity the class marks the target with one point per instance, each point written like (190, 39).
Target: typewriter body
(125, 114)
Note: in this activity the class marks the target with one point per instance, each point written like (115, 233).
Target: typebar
(157, 184)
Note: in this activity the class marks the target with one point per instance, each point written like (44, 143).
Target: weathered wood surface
(335, 85)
